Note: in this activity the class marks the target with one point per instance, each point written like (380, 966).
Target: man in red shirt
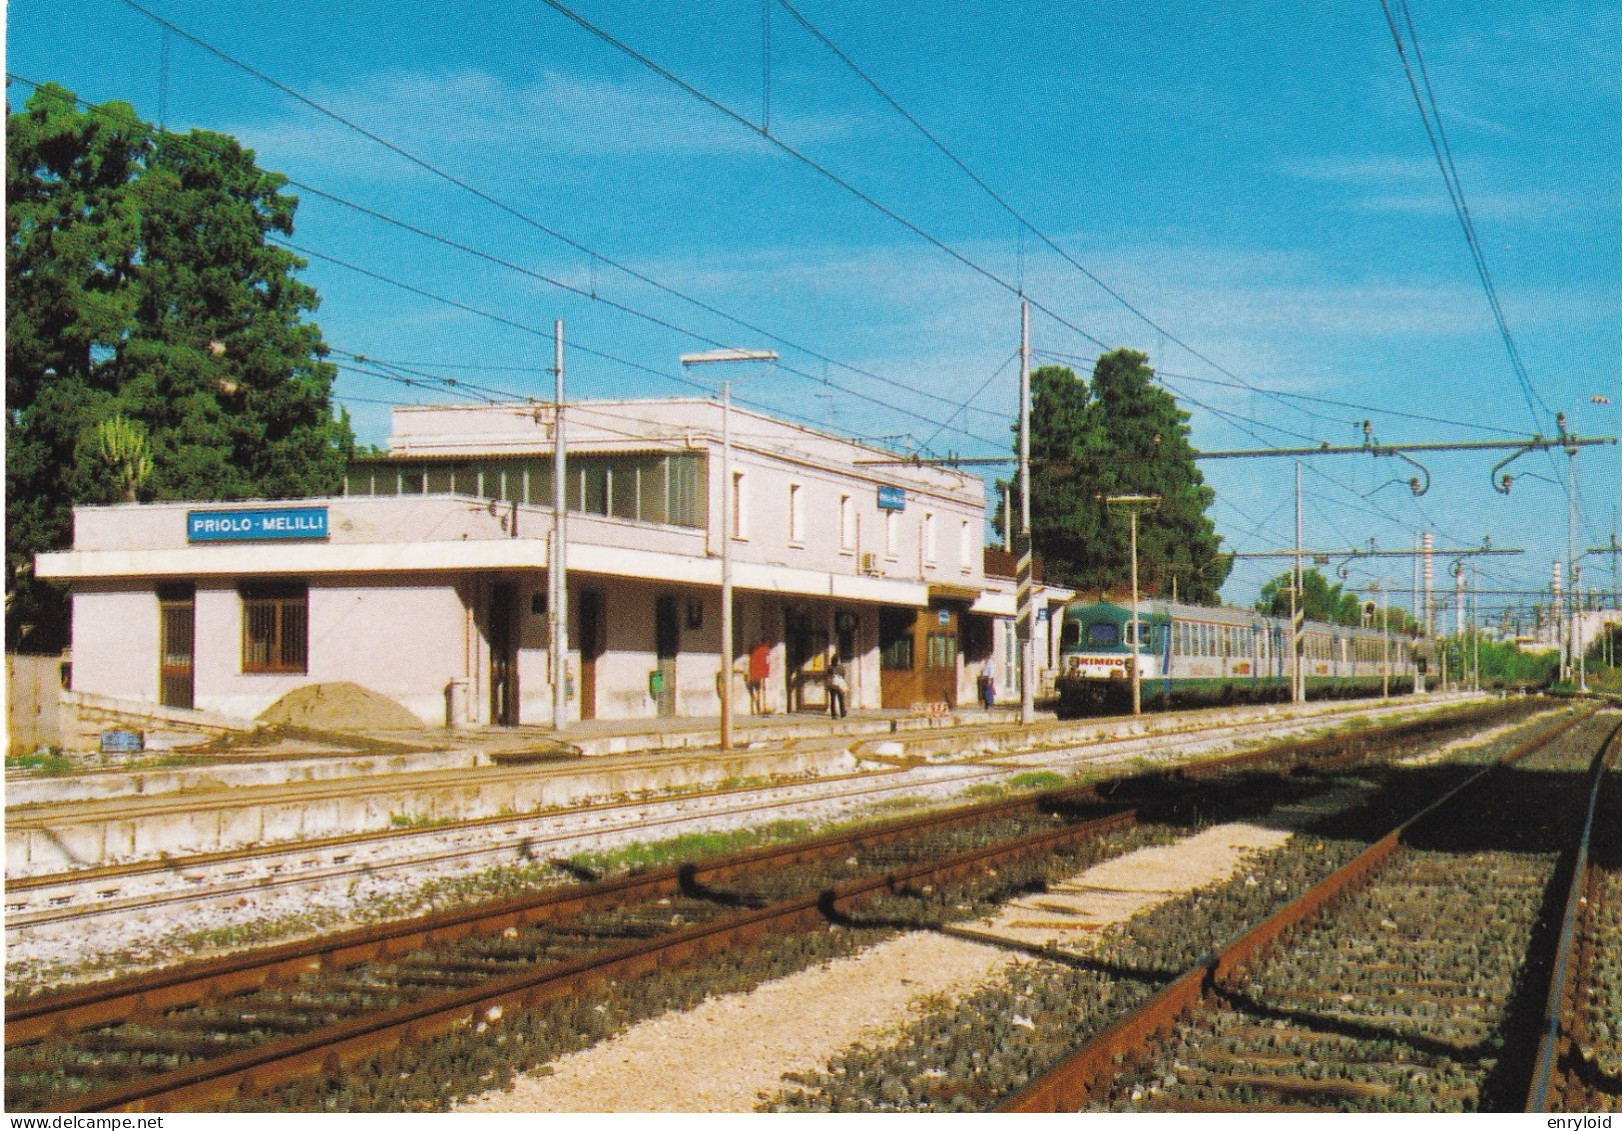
(760, 667)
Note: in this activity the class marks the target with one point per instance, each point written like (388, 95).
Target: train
(1194, 654)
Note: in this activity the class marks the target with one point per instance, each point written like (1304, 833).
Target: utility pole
(1475, 626)
(1298, 612)
(557, 603)
(728, 522)
(1578, 663)
(1022, 593)
(1132, 503)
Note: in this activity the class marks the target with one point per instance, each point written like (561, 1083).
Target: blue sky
(1255, 177)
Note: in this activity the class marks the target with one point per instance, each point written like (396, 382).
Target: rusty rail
(1556, 1039)
(1074, 1081)
(334, 1048)
(212, 979)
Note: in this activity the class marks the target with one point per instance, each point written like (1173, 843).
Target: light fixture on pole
(708, 358)
(1134, 503)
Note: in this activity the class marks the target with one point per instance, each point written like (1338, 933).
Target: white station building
(426, 580)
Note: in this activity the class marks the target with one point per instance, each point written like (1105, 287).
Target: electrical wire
(1455, 189)
(511, 210)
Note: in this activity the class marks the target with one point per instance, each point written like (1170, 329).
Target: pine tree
(141, 285)
(1119, 434)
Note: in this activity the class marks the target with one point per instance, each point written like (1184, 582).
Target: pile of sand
(338, 706)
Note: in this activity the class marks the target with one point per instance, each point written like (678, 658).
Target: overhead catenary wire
(1461, 209)
(511, 210)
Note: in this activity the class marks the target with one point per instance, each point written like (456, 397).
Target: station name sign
(267, 524)
(892, 498)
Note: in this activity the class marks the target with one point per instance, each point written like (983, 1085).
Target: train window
(1103, 634)
(1070, 635)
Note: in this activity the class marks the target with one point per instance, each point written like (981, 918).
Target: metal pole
(1298, 612)
(1385, 641)
(557, 605)
(1137, 632)
(1475, 632)
(1023, 616)
(726, 565)
(1571, 563)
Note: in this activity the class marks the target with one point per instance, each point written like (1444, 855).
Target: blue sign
(892, 499)
(260, 525)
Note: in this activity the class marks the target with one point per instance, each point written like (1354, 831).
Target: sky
(1254, 180)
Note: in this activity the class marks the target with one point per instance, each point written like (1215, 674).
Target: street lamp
(708, 358)
(1134, 503)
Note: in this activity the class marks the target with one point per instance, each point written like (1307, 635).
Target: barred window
(275, 627)
(942, 650)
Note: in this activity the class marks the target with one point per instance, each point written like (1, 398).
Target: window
(1069, 635)
(796, 513)
(895, 638)
(740, 505)
(942, 650)
(965, 547)
(1103, 634)
(847, 523)
(665, 489)
(929, 537)
(892, 535)
(275, 627)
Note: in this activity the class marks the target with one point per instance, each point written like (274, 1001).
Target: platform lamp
(713, 357)
(1133, 504)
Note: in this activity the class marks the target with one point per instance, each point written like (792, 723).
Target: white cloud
(470, 117)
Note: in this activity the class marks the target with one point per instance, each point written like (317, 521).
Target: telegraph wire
(1461, 208)
(468, 249)
(1024, 223)
(517, 213)
(816, 166)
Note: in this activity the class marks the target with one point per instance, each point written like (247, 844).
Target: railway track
(204, 1034)
(1579, 1061)
(1405, 981)
(174, 883)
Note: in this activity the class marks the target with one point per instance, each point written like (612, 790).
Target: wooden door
(666, 645)
(937, 643)
(177, 619)
(503, 616)
(589, 611)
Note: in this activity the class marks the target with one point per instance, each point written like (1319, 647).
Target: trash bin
(456, 703)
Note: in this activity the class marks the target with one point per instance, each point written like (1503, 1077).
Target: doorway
(591, 635)
(503, 654)
(666, 644)
(806, 643)
(177, 642)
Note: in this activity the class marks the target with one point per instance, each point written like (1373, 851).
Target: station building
(427, 579)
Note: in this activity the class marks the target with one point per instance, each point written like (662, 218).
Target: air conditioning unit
(870, 562)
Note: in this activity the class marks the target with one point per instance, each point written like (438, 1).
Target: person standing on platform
(760, 667)
(988, 686)
(837, 686)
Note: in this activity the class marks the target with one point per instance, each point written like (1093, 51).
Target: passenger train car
(1199, 653)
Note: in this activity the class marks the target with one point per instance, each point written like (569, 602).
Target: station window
(847, 523)
(796, 513)
(275, 627)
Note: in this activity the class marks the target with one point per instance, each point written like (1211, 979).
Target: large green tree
(1322, 601)
(1119, 434)
(141, 286)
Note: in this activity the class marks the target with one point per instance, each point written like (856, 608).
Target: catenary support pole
(1298, 687)
(1137, 626)
(726, 565)
(1023, 612)
(557, 604)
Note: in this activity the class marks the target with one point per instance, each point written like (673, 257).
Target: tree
(1322, 601)
(141, 286)
(1120, 434)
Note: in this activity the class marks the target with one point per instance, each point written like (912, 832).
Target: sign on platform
(259, 525)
